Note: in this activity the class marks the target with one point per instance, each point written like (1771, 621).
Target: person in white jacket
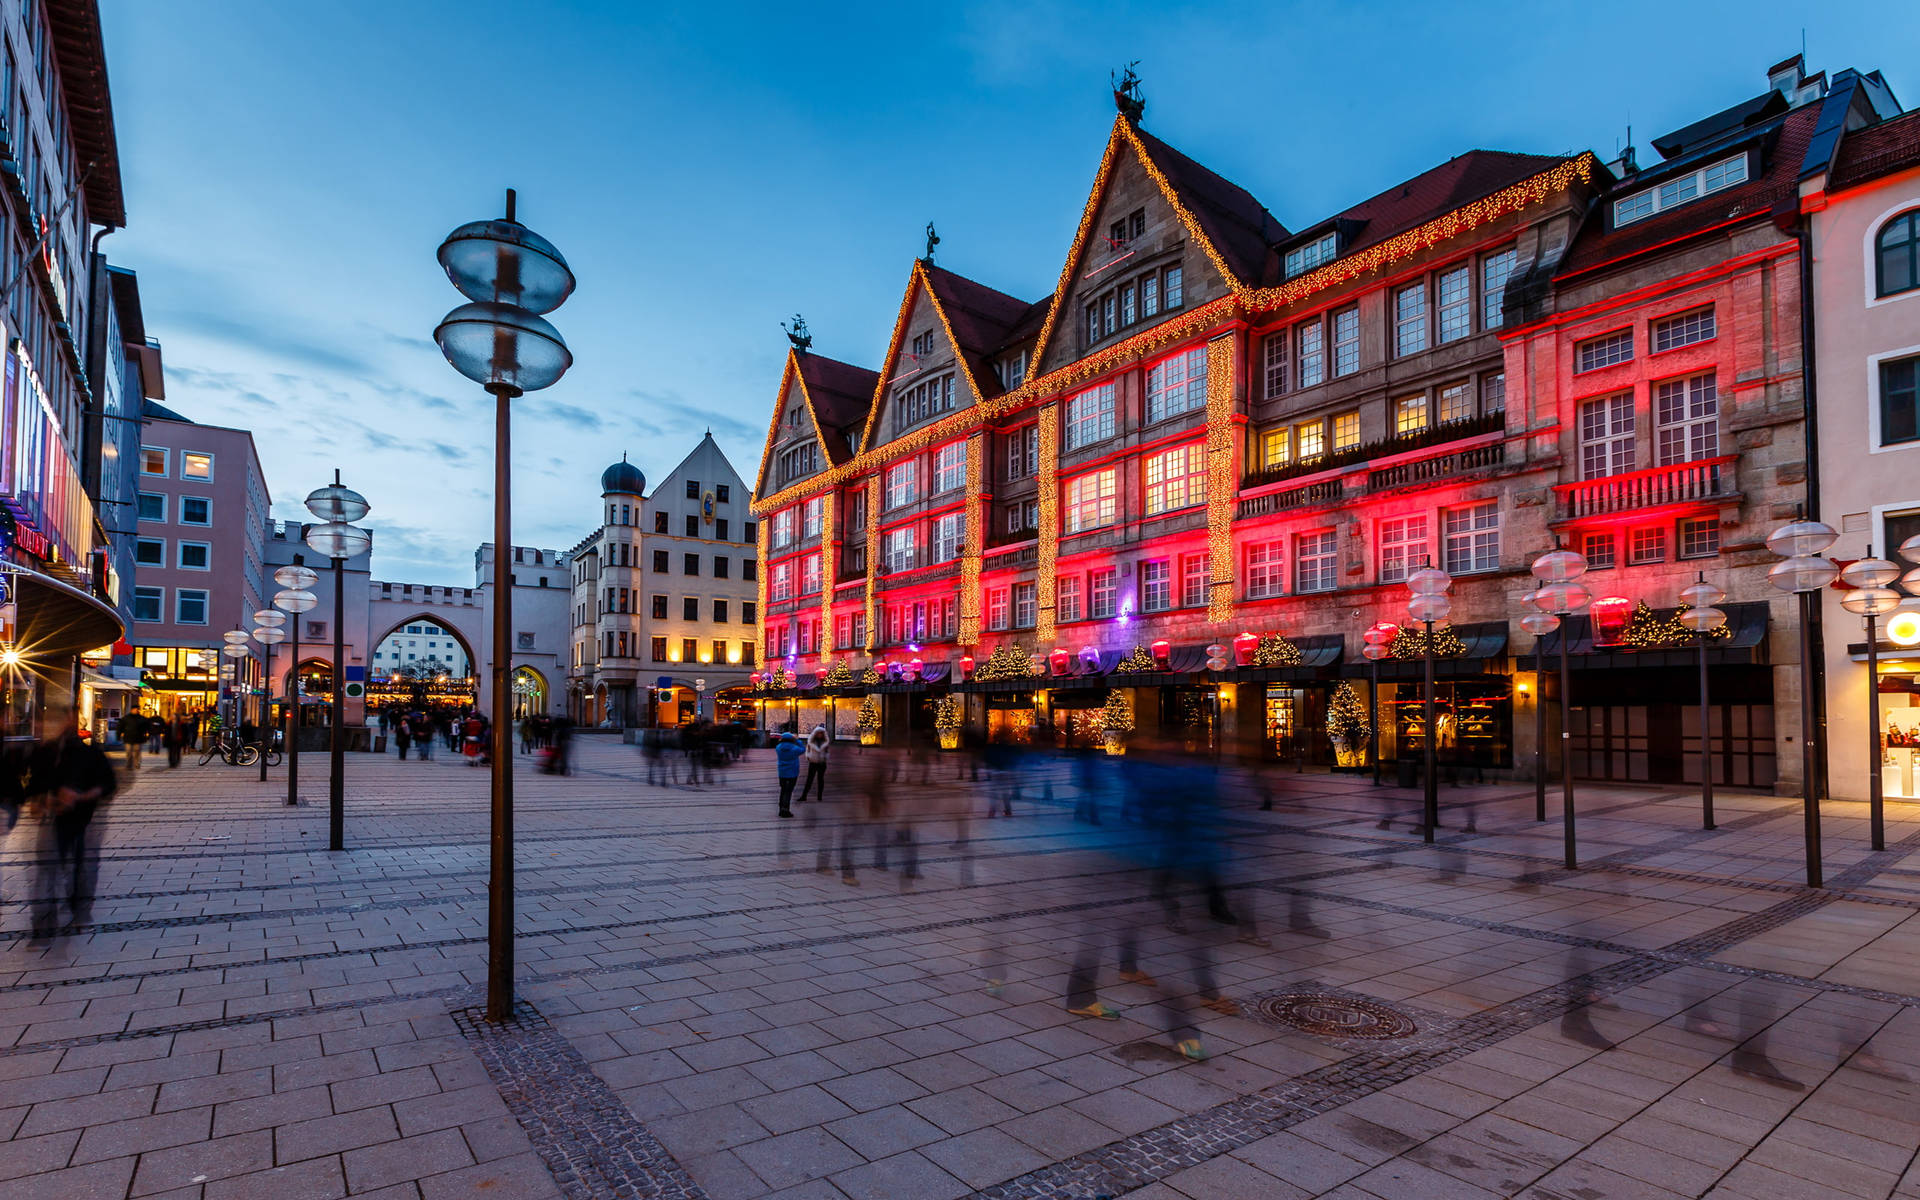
(819, 743)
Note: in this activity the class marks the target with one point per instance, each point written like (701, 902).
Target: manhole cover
(1335, 1016)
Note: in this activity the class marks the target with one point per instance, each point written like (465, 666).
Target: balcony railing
(1330, 491)
(1002, 536)
(1659, 487)
(1412, 474)
(1437, 435)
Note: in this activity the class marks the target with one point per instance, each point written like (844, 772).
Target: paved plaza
(709, 1013)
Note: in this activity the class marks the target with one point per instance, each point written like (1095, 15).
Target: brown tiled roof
(840, 393)
(1460, 180)
(982, 319)
(1782, 148)
(1867, 154)
(1239, 226)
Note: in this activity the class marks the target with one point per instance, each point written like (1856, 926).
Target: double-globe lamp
(1701, 618)
(295, 597)
(267, 631)
(1804, 569)
(336, 507)
(1870, 597)
(1428, 602)
(510, 275)
(1560, 595)
(1379, 643)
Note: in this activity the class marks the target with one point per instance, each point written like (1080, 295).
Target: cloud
(271, 342)
(567, 414)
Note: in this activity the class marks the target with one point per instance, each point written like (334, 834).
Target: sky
(709, 170)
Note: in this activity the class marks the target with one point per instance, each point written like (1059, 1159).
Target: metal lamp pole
(268, 634)
(1703, 619)
(296, 600)
(1871, 598)
(337, 506)
(1805, 570)
(1539, 624)
(510, 275)
(1561, 594)
(1377, 638)
(1429, 603)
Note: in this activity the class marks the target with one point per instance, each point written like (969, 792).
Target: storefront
(1473, 702)
(51, 623)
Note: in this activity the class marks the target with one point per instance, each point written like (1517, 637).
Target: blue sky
(711, 169)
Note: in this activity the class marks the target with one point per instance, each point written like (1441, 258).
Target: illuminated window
(900, 550)
(659, 649)
(1473, 538)
(948, 530)
(1092, 500)
(1066, 598)
(1606, 436)
(659, 608)
(1346, 430)
(1403, 547)
(1196, 576)
(1103, 590)
(1455, 289)
(194, 465)
(1313, 353)
(1310, 439)
(1276, 447)
(689, 649)
(1495, 269)
(1276, 347)
(949, 467)
(1177, 384)
(1156, 585)
(1026, 605)
(1090, 417)
(810, 575)
(1410, 319)
(1896, 263)
(1456, 402)
(1604, 351)
(1686, 415)
(1648, 545)
(1315, 562)
(903, 483)
(997, 608)
(1691, 186)
(1176, 478)
(783, 523)
(1346, 342)
(1266, 574)
(809, 520)
(1683, 329)
(153, 460)
(1409, 414)
(1305, 258)
(1493, 393)
(1699, 537)
(783, 581)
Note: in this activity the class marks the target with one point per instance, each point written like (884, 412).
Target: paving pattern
(712, 1007)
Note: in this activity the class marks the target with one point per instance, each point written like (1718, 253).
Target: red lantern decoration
(1381, 634)
(1610, 617)
(1162, 651)
(913, 669)
(1243, 648)
(1059, 660)
(966, 666)
(754, 679)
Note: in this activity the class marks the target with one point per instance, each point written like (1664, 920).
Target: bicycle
(231, 751)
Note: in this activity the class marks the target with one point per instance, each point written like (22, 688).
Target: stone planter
(949, 739)
(869, 737)
(1116, 743)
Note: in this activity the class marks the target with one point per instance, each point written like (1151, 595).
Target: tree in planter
(1115, 720)
(869, 721)
(946, 721)
(1347, 726)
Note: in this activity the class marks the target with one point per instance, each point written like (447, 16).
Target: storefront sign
(1610, 617)
(55, 516)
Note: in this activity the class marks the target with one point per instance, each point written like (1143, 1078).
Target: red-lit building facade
(1217, 430)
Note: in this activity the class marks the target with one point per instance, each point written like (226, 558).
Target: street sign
(355, 689)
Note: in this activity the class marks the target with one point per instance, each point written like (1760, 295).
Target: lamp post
(336, 538)
(1803, 569)
(1428, 603)
(1703, 618)
(510, 275)
(295, 598)
(1872, 598)
(268, 633)
(1378, 638)
(1562, 594)
(236, 648)
(1539, 624)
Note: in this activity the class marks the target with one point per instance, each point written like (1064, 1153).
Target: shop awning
(1486, 651)
(1746, 643)
(1317, 652)
(58, 620)
(106, 683)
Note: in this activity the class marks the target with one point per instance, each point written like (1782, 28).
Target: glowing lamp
(1871, 601)
(1559, 566)
(1374, 652)
(1381, 634)
(1162, 651)
(1089, 658)
(1243, 648)
(1870, 573)
(1429, 606)
(1217, 657)
(1701, 594)
(1059, 661)
(1801, 573)
(1903, 628)
(1561, 598)
(913, 669)
(1610, 617)
(966, 666)
(1429, 581)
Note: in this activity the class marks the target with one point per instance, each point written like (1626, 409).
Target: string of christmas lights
(829, 565)
(1276, 651)
(1135, 662)
(1411, 642)
(1223, 477)
(1646, 630)
(873, 562)
(1007, 661)
(1048, 546)
(975, 548)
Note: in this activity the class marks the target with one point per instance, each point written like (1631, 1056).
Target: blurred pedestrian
(402, 736)
(178, 737)
(68, 779)
(133, 736)
(787, 757)
(819, 744)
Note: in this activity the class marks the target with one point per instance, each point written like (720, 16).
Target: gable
(926, 377)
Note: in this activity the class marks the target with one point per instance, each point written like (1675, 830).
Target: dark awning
(1317, 652)
(1486, 651)
(57, 620)
(1747, 643)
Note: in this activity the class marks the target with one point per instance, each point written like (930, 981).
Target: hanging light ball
(1870, 573)
(1562, 598)
(1870, 601)
(1429, 606)
(1802, 573)
(1559, 566)
(1539, 624)
(1429, 581)
(1801, 538)
(1703, 618)
(1701, 595)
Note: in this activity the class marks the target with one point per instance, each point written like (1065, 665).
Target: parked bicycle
(231, 750)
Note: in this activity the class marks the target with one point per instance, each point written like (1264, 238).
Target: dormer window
(923, 344)
(1121, 232)
(1677, 191)
(1013, 370)
(1302, 259)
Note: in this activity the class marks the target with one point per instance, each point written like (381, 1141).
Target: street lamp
(1429, 603)
(1378, 638)
(236, 648)
(1703, 618)
(295, 598)
(267, 632)
(1803, 569)
(1562, 594)
(511, 275)
(1539, 624)
(1872, 598)
(337, 538)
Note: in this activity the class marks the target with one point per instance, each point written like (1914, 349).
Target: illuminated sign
(1903, 628)
(1610, 617)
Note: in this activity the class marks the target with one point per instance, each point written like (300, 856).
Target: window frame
(158, 595)
(184, 520)
(182, 595)
(1910, 217)
(191, 454)
(166, 461)
(1186, 394)
(1603, 358)
(1411, 334)
(1400, 556)
(1104, 502)
(1316, 562)
(1154, 577)
(1103, 593)
(1679, 320)
(1609, 445)
(1700, 180)
(1493, 284)
(1890, 392)
(1463, 549)
(142, 543)
(180, 555)
(1266, 561)
(1087, 426)
(1067, 598)
(1309, 255)
(1173, 492)
(1689, 424)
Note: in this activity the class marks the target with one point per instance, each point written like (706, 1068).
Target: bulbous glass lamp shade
(1429, 606)
(1562, 598)
(1870, 573)
(270, 635)
(505, 261)
(1801, 573)
(1429, 581)
(337, 539)
(1910, 549)
(1801, 538)
(336, 503)
(295, 576)
(1870, 601)
(499, 345)
(234, 637)
(1704, 618)
(295, 600)
(272, 618)
(1374, 652)
(1911, 581)
(1701, 595)
(1559, 566)
(236, 651)
(1539, 624)
(1380, 634)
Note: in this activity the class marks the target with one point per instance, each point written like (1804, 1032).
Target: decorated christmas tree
(1276, 651)
(838, 675)
(1138, 660)
(1411, 642)
(1347, 725)
(869, 719)
(1006, 662)
(870, 676)
(1116, 715)
(946, 714)
(1646, 630)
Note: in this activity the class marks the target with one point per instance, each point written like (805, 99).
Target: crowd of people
(469, 733)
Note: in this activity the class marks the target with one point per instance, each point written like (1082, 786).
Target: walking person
(819, 744)
(68, 780)
(787, 756)
(402, 737)
(133, 736)
(176, 738)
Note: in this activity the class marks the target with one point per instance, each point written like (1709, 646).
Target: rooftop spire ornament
(1126, 94)
(933, 239)
(797, 333)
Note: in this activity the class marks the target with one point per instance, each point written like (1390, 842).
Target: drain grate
(1327, 1015)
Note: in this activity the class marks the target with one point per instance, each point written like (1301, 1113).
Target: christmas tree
(1347, 724)
(1116, 716)
(1411, 642)
(839, 675)
(1138, 660)
(869, 714)
(946, 714)
(1276, 651)
(1006, 662)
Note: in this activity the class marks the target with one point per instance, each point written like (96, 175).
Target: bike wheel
(275, 757)
(246, 756)
(208, 756)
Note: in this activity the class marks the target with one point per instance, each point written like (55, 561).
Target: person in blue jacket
(788, 753)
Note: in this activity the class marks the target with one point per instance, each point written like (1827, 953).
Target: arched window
(1897, 255)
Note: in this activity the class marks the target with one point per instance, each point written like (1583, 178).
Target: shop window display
(1474, 719)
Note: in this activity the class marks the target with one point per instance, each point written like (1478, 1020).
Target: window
(153, 460)
(1171, 291)
(1403, 547)
(809, 518)
(1456, 402)
(948, 529)
(1156, 585)
(1310, 440)
(1026, 605)
(720, 566)
(1699, 537)
(1092, 500)
(997, 609)
(719, 650)
(1066, 598)
(949, 467)
(1315, 568)
(1305, 258)
(923, 400)
(1603, 351)
(1276, 347)
(150, 552)
(720, 529)
(1177, 384)
(659, 608)
(1013, 370)
(690, 565)
(195, 465)
(1023, 517)
(1313, 354)
(660, 521)
(1265, 570)
(1473, 538)
(1090, 417)
(1149, 295)
(153, 506)
(1177, 478)
(1456, 304)
(903, 483)
(1606, 436)
(1126, 304)
(148, 603)
(1691, 186)
(689, 650)
(748, 614)
(693, 525)
(1346, 430)
(1276, 447)
(1196, 576)
(1598, 550)
(1410, 319)
(799, 461)
(660, 562)
(1683, 329)
(810, 575)
(748, 569)
(190, 606)
(1649, 545)
(1023, 452)
(1686, 416)
(693, 489)
(1409, 414)
(1493, 393)
(690, 609)
(923, 344)
(899, 550)
(1103, 590)
(196, 556)
(784, 523)
(1899, 402)
(722, 493)
(783, 581)
(1495, 269)
(1346, 342)
(196, 510)
(659, 649)
(1896, 265)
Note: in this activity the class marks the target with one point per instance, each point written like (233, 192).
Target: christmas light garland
(873, 562)
(870, 676)
(829, 566)
(919, 280)
(1006, 662)
(761, 575)
(1646, 630)
(1139, 660)
(975, 547)
(1411, 642)
(1047, 546)
(1276, 651)
(1223, 478)
(838, 675)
